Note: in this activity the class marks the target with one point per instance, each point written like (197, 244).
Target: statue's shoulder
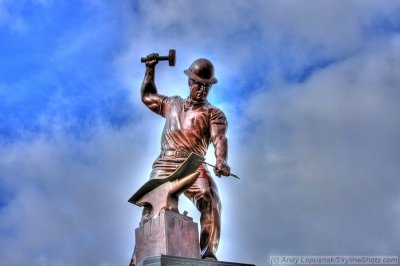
(213, 109)
(217, 116)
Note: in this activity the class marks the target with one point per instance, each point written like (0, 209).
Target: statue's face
(198, 91)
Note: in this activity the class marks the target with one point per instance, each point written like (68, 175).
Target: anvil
(158, 194)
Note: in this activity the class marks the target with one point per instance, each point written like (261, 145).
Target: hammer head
(171, 57)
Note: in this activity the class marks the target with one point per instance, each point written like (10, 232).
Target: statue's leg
(204, 194)
(133, 259)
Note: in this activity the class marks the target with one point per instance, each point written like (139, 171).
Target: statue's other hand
(152, 59)
(222, 168)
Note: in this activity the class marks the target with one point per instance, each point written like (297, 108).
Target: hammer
(171, 57)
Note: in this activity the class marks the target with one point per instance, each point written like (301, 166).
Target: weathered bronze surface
(191, 124)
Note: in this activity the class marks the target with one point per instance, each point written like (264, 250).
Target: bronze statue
(191, 125)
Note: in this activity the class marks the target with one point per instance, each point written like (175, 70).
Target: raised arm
(148, 90)
(220, 142)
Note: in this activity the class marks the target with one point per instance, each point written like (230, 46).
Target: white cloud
(70, 198)
(322, 163)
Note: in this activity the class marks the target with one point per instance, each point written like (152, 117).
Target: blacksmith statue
(191, 124)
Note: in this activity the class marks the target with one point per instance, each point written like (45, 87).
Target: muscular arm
(220, 142)
(148, 90)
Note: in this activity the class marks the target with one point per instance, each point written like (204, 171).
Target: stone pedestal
(169, 233)
(165, 260)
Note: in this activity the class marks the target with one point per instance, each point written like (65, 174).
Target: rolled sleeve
(218, 117)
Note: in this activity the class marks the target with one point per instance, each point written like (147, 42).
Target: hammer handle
(159, 58)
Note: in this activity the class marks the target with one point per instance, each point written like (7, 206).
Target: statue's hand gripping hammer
(171, 58)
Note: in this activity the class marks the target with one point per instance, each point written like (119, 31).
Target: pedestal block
(165, 260)
(169, 233)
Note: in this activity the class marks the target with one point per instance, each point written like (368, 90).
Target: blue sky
(310, 89)
(50, 55)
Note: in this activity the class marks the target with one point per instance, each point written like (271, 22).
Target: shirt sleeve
(218, 117)
(163, 105)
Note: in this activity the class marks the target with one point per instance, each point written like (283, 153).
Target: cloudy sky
(311, 90)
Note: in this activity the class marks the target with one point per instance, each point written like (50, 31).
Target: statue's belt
(176, 153)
